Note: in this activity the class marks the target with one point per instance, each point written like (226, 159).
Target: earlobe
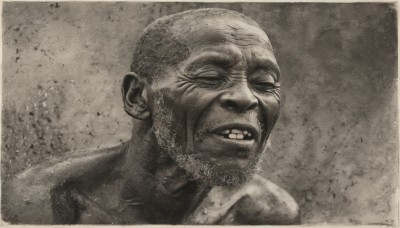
(134, 96)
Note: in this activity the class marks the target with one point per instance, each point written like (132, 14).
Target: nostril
(252, 106)
(239, 106)
(230, 104)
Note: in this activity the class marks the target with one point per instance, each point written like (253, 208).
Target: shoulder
(276, 203)
(74, 165)
(258, 202)
(30, 196)
(266, 191)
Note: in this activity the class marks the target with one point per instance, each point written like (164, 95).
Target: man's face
(213, 112)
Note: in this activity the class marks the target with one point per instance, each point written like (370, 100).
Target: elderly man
(204, 88)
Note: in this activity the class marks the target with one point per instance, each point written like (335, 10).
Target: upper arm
(23, 203)
(27, 202)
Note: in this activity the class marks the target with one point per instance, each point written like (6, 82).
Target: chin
(210, 173)
(231, 178)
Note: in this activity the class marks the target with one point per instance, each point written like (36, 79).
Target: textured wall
(334, 148)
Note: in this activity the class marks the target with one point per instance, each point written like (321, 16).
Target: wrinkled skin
(167, 172)
(230, 81)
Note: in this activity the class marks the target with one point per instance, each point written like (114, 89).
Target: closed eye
(264, 86)
(263, 81)
(209, 80)
(209, 77)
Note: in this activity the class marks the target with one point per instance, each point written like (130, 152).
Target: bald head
(163, 44)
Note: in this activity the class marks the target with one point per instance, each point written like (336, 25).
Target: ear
(134, 95)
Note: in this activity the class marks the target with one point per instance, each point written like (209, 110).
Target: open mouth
(236, 131)
(236, 134)
(231, 140)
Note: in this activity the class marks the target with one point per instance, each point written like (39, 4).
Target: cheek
(179, 110)
(270, 106)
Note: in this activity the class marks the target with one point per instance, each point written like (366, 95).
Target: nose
(239, 98)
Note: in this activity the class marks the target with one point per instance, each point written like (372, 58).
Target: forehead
(206, 32)
(225, 41)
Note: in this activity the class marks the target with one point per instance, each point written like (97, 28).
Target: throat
(156, 184)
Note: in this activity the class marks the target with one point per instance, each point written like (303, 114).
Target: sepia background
(334, 148)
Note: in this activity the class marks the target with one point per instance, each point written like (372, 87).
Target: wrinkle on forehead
(247, 36)
(223, 54)
(229, 56)
(211, 31)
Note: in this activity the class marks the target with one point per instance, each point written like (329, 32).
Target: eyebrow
(226, 60)
(212, 57)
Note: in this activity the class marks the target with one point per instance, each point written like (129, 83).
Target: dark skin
(179, 149)
(230, 81)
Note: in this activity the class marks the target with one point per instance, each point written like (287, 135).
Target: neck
(154, 180)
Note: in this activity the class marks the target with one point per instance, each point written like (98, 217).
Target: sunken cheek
(187, 107)
(270, 110)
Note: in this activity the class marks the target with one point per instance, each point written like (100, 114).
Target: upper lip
(239, 126)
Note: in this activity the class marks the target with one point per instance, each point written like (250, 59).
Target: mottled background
(334, 148)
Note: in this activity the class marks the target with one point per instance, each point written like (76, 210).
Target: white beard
(199, 169)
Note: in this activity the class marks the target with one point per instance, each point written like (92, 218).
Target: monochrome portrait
(199, 113)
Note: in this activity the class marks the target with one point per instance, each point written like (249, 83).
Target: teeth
(236, 134)
(236, 131)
